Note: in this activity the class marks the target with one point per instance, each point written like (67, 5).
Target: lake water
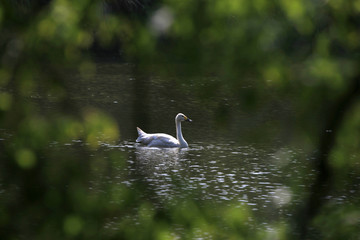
(222, 173)
(244, 158)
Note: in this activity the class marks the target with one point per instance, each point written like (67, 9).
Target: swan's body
(162, 139)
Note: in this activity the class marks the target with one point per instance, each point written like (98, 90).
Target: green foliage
(343, 222)
(345, 156)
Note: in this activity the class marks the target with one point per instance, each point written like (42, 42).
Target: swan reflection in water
(160, 158)
(161, 169)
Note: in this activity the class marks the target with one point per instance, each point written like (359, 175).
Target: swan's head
(181, 117)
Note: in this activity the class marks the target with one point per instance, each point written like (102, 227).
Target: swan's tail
(141, 134)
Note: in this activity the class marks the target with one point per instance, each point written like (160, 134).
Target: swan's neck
(179, 135)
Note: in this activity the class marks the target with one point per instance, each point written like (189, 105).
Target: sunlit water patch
(268, 181)
(224, 174)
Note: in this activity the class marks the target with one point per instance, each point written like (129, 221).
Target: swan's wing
(162, 140)
(156, 140)
(142, 136)
(140, 132)
(144, 139)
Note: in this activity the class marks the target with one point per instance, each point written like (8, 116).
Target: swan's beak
(187, 119)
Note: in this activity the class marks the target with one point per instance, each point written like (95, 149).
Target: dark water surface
(222, 173)
(244, 158)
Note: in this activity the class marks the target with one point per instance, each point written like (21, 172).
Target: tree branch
(322, 184)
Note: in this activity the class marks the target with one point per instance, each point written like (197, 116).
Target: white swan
(162, 139)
